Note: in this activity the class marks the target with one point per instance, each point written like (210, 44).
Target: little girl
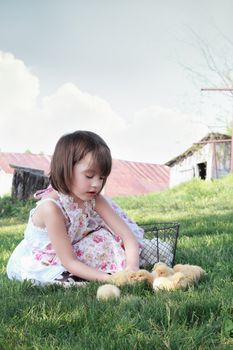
(74, 233)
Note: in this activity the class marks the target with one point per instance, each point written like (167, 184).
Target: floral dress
(93, 243)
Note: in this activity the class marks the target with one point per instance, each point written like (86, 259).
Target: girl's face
(87, 181)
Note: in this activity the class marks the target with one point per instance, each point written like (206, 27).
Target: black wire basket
(160, 241)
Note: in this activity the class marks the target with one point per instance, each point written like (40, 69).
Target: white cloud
(158, 134)
(81, 110)
(70, 109)
(154, 134)
(19, 88)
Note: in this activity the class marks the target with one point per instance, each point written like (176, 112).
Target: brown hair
(70, 149)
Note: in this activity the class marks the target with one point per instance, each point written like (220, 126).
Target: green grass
(198, 318)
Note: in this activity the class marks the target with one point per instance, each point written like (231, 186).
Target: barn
(10, 161)
(210, 158)
(127, 178)
(135, 178)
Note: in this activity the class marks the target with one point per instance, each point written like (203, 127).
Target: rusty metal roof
(27, 160)
(134, 178)
(127, 178)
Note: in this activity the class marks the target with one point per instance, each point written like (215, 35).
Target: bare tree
(215, 72)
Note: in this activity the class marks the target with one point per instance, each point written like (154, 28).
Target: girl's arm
(55, 224)
(119, 227)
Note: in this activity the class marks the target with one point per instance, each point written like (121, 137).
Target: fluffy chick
(108, 291)
(128, 277)
(160, 269)
(175, 281)
(191, 272)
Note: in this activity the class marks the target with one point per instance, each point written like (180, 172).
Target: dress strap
(41, 193)
(49, 200)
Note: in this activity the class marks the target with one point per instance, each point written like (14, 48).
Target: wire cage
(159, 243)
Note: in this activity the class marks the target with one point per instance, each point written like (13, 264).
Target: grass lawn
(199, 318)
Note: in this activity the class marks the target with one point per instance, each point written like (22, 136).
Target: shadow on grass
(206, 225)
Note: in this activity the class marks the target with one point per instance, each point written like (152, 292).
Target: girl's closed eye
(90, 176)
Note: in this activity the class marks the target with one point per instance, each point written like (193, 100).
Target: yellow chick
(191, 272)
(108, 291)
(128, 277)
(160, 269)
(175, 281)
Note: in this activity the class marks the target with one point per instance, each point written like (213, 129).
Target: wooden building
(210, 158)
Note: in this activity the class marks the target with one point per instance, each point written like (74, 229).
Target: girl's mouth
(90, 193)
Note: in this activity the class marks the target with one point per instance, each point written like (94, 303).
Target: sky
(130, 70)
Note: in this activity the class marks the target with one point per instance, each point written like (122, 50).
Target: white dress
(93, 243)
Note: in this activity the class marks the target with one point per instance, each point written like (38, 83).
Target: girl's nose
(96, 182)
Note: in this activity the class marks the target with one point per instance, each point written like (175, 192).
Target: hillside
(199, 318)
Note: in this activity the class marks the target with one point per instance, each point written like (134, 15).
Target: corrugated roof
(127, 178)
(133, 178)
(35, 161)
(213, 136)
